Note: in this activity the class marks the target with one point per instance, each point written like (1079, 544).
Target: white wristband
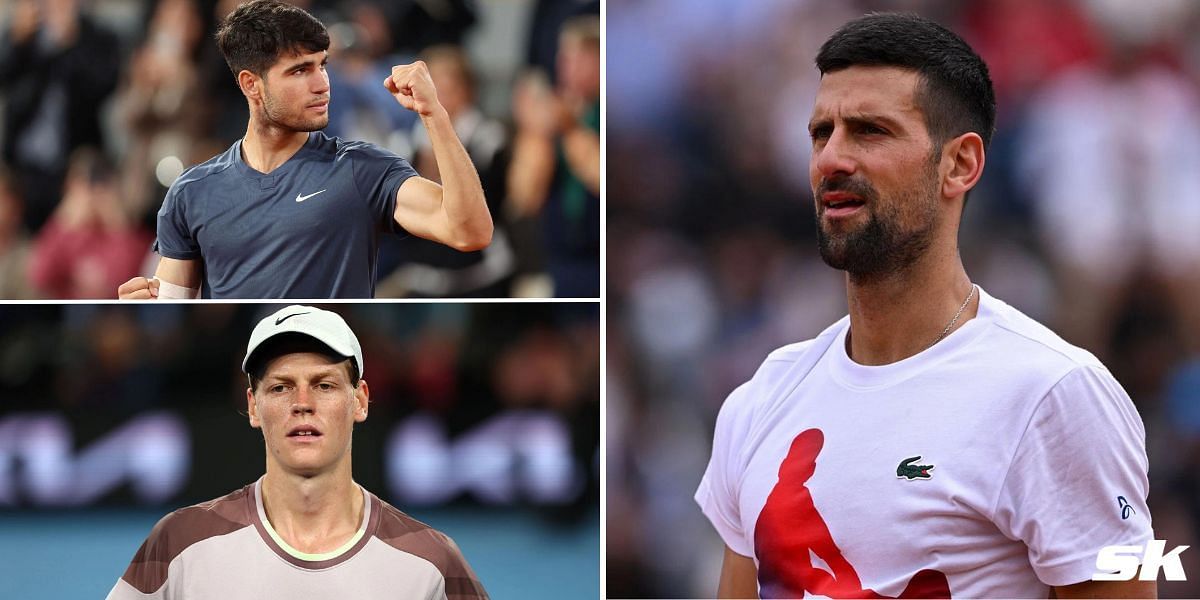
(170, 291)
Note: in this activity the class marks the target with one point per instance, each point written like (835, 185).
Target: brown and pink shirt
(226, 549)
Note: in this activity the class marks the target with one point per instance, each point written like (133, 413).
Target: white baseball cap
(324, 326)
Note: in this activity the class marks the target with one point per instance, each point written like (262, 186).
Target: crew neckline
(311, 560)
(863, 377)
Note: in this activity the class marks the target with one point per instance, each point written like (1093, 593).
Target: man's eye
(872, 130)
(277, 389)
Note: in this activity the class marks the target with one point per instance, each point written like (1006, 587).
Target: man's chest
(874, 487)
(304, 205)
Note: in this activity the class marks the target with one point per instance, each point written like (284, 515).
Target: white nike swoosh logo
(300, 198)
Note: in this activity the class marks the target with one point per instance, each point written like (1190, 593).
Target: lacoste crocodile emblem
(909, 471)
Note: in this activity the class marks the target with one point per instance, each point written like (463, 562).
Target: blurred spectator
(90, 245)
(555, 170)
(427, 269)
(1103, 146)
(57, 67)
(163, 104)
(14, 243)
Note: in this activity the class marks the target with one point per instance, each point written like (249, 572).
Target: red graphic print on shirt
(789, 528)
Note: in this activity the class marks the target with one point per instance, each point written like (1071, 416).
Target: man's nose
(302, 402)
(835, 158)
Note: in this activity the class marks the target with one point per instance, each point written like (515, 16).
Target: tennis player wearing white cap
(306, 392)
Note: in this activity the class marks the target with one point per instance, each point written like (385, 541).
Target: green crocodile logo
(911, 471)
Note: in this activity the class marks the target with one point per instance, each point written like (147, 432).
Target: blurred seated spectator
(428, 269)
(91, 244)
(555, 169)
(57, 67)
(14, 244)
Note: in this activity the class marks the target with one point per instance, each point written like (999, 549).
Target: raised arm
(454, 213)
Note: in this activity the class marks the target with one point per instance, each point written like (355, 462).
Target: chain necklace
(958, 314)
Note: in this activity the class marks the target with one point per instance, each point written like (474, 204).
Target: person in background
(91, 243)
(555, 170)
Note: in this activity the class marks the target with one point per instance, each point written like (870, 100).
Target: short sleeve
(718, 491)
(1079, 478)
(378, 174)
(174, 237)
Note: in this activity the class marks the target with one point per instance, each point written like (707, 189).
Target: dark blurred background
(1087, 219)
(104, 103)
(484, 422)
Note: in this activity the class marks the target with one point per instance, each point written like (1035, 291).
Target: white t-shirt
(994, 464)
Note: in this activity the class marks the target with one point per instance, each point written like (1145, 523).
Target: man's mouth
(840, 204)
(304, 432)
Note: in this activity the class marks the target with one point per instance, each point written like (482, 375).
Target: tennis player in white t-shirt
(936, 442)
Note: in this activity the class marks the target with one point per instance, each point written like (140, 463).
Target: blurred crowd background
(484, 422)
(1087, 219)
(104, 103)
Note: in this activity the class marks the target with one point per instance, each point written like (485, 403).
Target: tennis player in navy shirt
(289, 212)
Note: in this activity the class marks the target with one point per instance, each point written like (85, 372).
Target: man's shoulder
(338, 148)
(1026, 341)
(198, 522)
(181, 529)
(401, 531)
(782, 369)
(201, 173)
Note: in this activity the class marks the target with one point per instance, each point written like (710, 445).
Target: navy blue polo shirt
(309, 229)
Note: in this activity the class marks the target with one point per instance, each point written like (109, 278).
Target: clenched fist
(413, 88)
(138, 288)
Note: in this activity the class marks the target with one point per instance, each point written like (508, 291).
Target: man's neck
(313, 514)
(899, 315)
(266, 147)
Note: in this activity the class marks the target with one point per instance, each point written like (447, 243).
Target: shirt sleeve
(460, 580)
(379, 173)
(718, 491)
(1079, 478)
(175, 239)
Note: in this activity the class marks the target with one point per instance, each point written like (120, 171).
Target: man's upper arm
(419, 209)
(184, 273)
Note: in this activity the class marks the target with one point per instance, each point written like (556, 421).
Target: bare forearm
(463, 202)
(582, 149)
(530, 173)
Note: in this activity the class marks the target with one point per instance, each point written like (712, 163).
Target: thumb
(153, 287)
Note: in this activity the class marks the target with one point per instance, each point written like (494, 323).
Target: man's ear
(250, 84)
(965, 156)
(251, 409)
(362, 398)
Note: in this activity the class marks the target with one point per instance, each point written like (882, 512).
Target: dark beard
(880, 247)
(875, 250)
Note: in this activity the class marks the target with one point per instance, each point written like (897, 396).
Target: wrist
(437, 113)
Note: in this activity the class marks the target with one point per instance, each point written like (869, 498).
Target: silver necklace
(958, 314)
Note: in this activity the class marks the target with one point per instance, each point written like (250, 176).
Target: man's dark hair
(289, 343)
(955, 93)
(257, 33)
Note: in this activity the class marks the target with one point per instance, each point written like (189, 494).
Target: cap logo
(286, 317)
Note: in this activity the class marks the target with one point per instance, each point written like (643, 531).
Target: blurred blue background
(484, 423)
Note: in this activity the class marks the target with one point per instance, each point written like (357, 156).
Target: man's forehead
(297, 56)
(291, 361)
(867, 90)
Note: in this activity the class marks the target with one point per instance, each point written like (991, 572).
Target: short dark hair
(290, 343)
(955, 93)
(257, 33)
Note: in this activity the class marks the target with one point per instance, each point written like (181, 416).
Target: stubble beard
(882, 246)
(274, 114)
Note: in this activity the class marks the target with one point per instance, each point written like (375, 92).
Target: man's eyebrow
(307, 63)
(856, 119)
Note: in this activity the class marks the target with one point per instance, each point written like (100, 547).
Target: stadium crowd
(106, 102)
(1087, 218)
